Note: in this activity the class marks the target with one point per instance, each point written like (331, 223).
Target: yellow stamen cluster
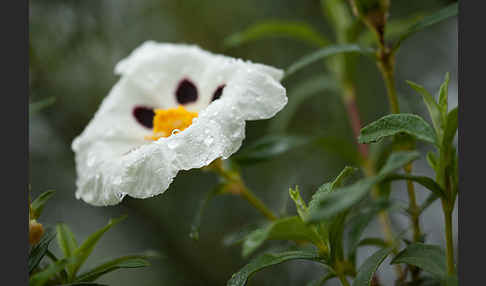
(166, 121)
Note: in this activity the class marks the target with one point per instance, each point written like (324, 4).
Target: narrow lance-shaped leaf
(289, 228)
(432, 160)
(269, 147)
(324, 53)
(282, 29)
(443, 94)
(329, 187)
(428, 201)
(369, 267)
(241, 277)
(430, 20)
(302, 209)
(446, 147)
(85, 249)
(451, 127)
(66, 240)
(131, 261)
(341, 199)
(321, 281)
(432, 107)
(427, 182)
(39, 250)
(430, 258)
(38, 204)
(393, 124)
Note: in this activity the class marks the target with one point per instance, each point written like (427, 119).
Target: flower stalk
(237, 186)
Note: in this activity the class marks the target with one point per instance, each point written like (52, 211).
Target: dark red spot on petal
(186, 92)
(144, 116)
(218, 92)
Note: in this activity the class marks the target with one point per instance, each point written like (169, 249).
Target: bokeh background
(74, 46)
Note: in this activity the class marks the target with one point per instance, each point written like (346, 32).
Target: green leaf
(268, 148)
(241, 277)
(428, 201)
(85, 249)
(311, 86)
(374, 241)
(432, 160)
(41, 278)
(321, 281)
(280, 29)
(331, 203)
(39, 250)
(324, 53)
(66, 240)
(329, 187)
(432, 106)
(427, 182)
(131, 261)
(430, 258)
(451, 127)
(443, 100)
(39, 105)
(299, 202)
(393, 124)
(38, 204)
(196, 224)
(289, 228)
(369, 267)
(430, 20)
(396, 161)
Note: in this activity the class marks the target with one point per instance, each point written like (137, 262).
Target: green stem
(413, 207)
(386, 61)
(448, 236)
(257, 203)
(238, 187)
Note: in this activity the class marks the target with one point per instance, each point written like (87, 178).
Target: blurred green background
(74, 46)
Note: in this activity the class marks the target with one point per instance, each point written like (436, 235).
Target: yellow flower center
(168, 121)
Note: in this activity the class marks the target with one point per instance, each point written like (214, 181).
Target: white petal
(112, 157)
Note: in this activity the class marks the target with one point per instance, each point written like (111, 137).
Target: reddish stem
(353, 115)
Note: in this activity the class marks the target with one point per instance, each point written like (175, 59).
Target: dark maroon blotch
(144, 115)
(186, 92)
(218, 92)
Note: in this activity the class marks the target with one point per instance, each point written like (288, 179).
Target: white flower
(201, 102)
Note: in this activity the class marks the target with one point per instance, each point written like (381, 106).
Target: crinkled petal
(112, 157)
